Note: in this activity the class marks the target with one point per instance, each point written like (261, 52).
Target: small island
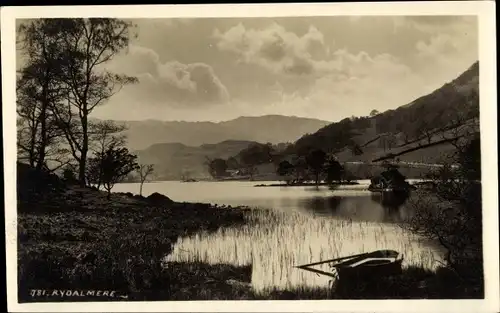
(390, 180)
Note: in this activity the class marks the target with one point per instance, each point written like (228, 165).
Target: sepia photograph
(263, 154)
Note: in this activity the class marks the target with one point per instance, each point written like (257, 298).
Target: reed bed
(274, 242)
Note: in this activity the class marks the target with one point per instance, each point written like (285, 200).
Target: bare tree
(144, 171)
(105, 134)
(87, 44)
(116, 164)
(406, 137)
(389, 141)
(424, 130)
(38, 91)
(27, 130)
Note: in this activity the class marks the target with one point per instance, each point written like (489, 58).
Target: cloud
(138, 60)
(319, 71)
(334, 83)
(432, 24)
(284, 52)
(171, 83)
(446, 53)
(366, 82)
(349, 84)
(441, 44)
(274, 47)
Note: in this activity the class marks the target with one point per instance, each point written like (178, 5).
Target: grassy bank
(76, 238)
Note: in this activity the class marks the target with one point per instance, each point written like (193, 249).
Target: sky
(319, 67)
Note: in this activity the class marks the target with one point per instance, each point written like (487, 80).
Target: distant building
(234, 173)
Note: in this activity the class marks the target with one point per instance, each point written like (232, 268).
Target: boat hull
(361, 267)
(370, 271)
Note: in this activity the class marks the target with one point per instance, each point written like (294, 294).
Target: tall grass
(273, 242)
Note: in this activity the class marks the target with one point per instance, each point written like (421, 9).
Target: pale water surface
(303, 225)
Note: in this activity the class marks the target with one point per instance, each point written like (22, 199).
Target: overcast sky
(320, 67)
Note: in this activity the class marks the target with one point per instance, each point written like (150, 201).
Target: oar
(337, 259)
(317, 271)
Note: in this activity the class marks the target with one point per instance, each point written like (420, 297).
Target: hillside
(428, 119)
(421, 126)
(268, 128)
(175, 160)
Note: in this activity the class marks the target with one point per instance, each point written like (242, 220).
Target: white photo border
(484, 10)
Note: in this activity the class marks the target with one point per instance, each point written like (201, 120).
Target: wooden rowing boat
(365, 266)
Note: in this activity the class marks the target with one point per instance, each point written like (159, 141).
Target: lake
(301, 225)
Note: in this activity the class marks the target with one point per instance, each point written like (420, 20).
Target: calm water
(303, 225)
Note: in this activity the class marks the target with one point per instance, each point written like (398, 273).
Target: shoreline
(353, 182)
(308, 184)
(76, 239)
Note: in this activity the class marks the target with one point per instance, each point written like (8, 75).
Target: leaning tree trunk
(43, 127)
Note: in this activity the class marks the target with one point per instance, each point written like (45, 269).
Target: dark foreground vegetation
(72, 237)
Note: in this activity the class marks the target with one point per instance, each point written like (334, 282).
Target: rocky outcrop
(158, 199)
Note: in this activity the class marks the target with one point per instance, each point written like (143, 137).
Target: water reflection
(378, 207)
(394, 204)
(322, 205)
(390, 200)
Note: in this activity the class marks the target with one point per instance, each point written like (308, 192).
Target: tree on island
(232, 163)
(285, 169)
(115, 164)
(276, 159)
(334, 171)
(315, 161)
(144, 170)
(252, 156)
(217, 168)
(300, 169)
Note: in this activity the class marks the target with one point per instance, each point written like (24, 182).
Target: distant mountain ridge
(267, 128)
